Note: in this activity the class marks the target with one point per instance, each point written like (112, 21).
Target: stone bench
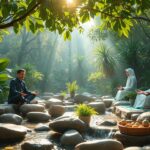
(126, 111)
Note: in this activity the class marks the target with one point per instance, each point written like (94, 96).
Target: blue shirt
(16, 87)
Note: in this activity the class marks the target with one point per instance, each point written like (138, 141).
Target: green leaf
(5, 11)
(67, 35)
(3, 64)
(4, 77)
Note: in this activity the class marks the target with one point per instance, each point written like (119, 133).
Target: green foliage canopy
(56, 15)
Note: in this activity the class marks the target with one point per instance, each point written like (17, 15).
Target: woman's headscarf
(131, 79)
(130, 71)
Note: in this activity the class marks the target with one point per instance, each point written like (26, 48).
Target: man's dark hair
(21, 70)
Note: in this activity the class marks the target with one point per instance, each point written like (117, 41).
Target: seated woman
(142, 100)
(131, 85)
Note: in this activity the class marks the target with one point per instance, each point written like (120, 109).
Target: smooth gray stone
(37, 144)
(11, 118)
(106, 144)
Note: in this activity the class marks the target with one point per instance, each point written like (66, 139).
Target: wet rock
(53, 101)
(67, 123)
(37, 144)
(26, 108)
(38, 117)
(134, 117)
(42, 127)
(98, 106)
(108, 102)
(5, 108)
(54, 135)
(106, 144)
(82, 99)
(143, 116)
(11, 118)
(108, 123)
(134, 148)
(12, 132)
(132, 140)
(71, 137)
(56, 110)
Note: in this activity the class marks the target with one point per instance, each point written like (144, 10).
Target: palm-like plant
(72, 88)
(105, 60)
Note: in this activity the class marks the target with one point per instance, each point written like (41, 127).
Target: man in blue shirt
(18, 93)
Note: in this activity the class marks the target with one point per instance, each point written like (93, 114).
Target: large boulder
(37, 144)
(12, 132)
(71, 137)
(53, 101)
(129, 140)
(11, 118)
(67, 123)
(143, 116)
(83, 99)
(26, 108)
(5, 108)
(98, 106)
(56, 110)
(106, 144)
(37, 117)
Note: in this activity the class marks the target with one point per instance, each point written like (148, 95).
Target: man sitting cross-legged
(18, 93)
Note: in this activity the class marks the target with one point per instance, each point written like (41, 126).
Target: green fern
(84, 110)
(72, 87)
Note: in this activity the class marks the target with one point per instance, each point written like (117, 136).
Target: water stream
(94, 132)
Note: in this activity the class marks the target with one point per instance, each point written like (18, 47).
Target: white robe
(131, 85)
(142, 101)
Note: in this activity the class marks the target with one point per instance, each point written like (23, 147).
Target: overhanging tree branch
(9, 24)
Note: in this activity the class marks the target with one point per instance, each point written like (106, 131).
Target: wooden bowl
(134, 130)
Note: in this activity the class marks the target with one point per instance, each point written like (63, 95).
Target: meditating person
(18, 93)
(131, 85)
(142, 100)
